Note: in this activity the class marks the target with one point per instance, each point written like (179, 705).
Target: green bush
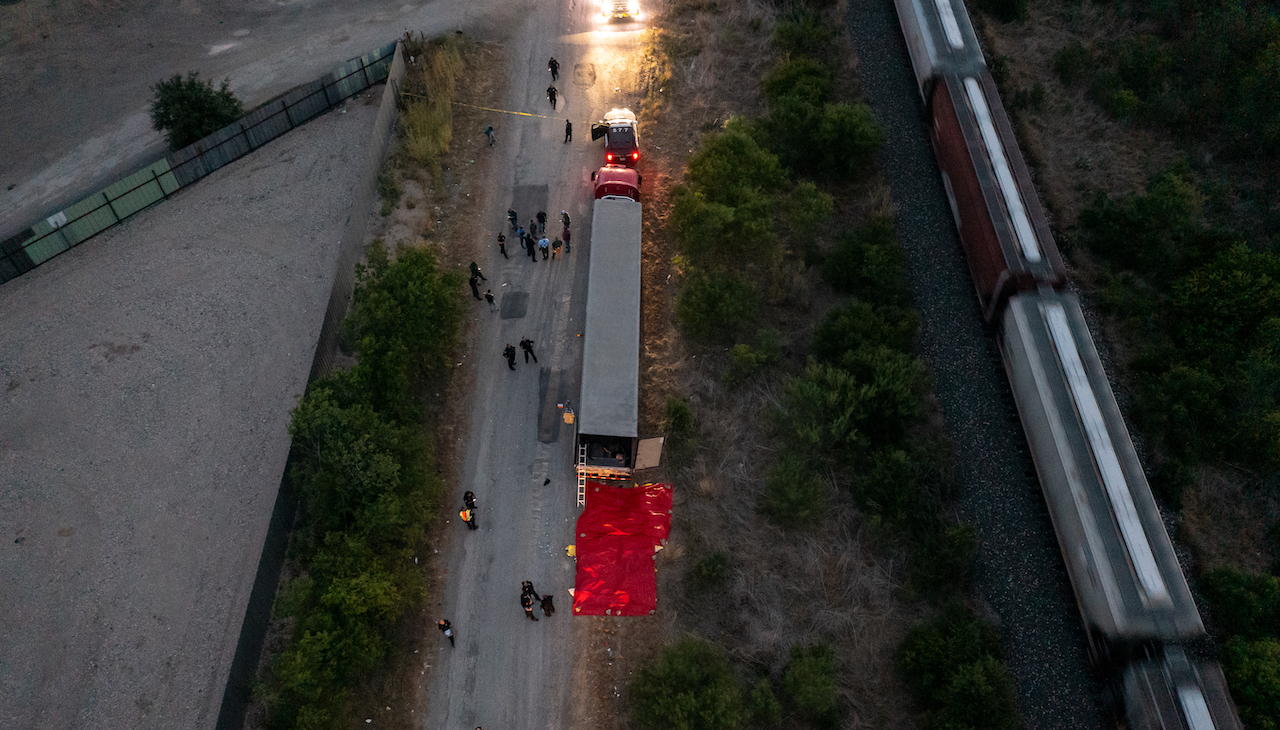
(1185, 404)
(1219, 308)
(405, 317)
(890, 488)
(795, 496)
(941, 560)
(805, 78)
(714, 307)
(868, 264)
(849, 138)
(189, 109)
(712, 233)
(689, 687)
(745, 361)
(1242, 604)
(840, 412)
(1072, 63)
(854, 324)
(804, 33)
(810, 683)
(952, 667)
(389, 190)
(681, 431)
(763, 706)
(710, 571)
(733, 169)
(1253, 674)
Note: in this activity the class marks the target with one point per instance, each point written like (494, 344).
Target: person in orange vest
(468, 516)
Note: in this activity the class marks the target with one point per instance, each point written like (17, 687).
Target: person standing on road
(551, 95)
(475, 290)
(544, 245)
(468, 516)
(509, 352)
(488, 297)
(488, 132)
(469, 499)
(548, 605)
(526, 602)
(520, 234)
(526, 589)
(554, 67)
(532, 247)
(446, 628)
(526, 344)
(475, 271)
(555, 248)
(565, 235)
(542, 221)
(564, 218)
(502, 245)
(568, 131)
(511, 216)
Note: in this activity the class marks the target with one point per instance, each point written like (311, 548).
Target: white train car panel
(1126, 578)
(1174, 693)
(940, 40)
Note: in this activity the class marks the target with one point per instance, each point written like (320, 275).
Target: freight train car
(1126, 578)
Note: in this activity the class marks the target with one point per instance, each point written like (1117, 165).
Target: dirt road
(507, 671)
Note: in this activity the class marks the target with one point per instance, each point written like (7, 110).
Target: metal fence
(98, 212)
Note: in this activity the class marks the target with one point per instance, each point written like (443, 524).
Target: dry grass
(427, 96)
(1225, 519)
(837, 581)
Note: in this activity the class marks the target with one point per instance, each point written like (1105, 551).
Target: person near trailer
(564, 218)
(551, 95)
(555, 248)
(544, 245)
(565, 235)
(554, 67)
(475, 287)
(542, 221)
(515, 219)
(502, 245)
(548, 605)
(568, 131)
(526, 602)
(469, 499)
(475, 271)
(531, 246)
(526, 344)
(509, 352)
(488, 297)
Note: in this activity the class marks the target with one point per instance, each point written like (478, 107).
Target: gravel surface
(149, 375)
(1020, 573)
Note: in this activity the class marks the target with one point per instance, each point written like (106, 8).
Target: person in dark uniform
(568, 131)
(446, 628)
(469, 499)
(509, 352)
(475, 289)
(548, 606)
(526, 602)
(526, 344)
(502, 245)
(475, 271)
(554, 67)
(511, 215)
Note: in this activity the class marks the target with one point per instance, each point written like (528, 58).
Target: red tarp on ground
(618, 534)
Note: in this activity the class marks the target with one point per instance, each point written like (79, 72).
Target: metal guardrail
(81, 221)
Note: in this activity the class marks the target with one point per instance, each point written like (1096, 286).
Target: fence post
(111, 207)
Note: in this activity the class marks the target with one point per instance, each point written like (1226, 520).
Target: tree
(188, 109)
(690, 687)
(810, 682)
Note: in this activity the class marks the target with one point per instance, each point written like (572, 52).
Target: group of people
(528, 595)
(509, 352)
(534, 238)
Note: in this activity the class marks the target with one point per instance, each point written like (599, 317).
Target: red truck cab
(618, 180)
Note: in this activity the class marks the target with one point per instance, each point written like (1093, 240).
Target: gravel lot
(1020, 573)
(148, 379)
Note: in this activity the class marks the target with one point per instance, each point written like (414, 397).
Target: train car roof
(940, 39)
(1123, 569)
(609, 402)
(1012, 202)
(1173, 693)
